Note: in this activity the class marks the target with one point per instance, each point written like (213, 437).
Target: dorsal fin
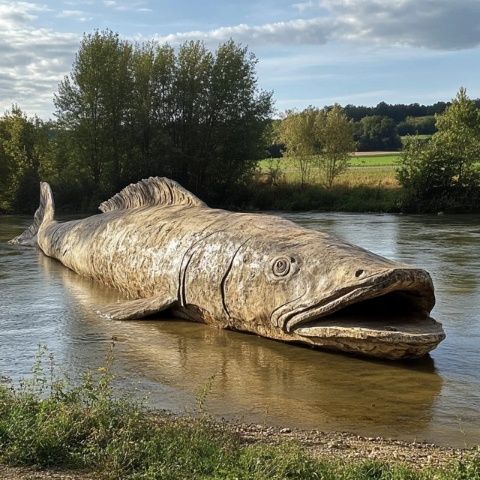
(149, 192)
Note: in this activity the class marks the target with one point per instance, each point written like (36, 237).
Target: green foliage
(299, 132)
(442, 172)
(317, 138)
(138, 110)
(340, 198)
(417, 126)
(131, 110)
(377, 133)
(25, 154)
(92, 105)
(397, 112)
(336, 136)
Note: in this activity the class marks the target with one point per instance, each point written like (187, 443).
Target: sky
(312, 52)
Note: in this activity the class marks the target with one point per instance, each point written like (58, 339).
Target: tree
(25, 156)
(336, 136)
(377, 133)
(143, 109)
(238, 114)
(92, 103)
(444, 169)
(152, 110)
(299, 131)
(417, 126)
(322, 138)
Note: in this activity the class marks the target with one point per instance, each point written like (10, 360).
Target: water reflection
(256, 379)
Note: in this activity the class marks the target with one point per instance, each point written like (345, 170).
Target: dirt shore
(338, 445)
(348, 446)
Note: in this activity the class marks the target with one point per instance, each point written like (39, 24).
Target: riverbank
(369, 185)
(344, 199)
(339, 198)
(51, 429)
(343, 455)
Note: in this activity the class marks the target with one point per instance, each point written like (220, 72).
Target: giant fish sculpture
(166, 250)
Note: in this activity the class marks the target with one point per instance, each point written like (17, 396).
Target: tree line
(437, 172)
(382, 127)
(397, 112)
(130, 110)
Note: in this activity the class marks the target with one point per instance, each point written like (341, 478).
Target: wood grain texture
(249, 272)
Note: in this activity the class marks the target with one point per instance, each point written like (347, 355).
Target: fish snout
(411, 288)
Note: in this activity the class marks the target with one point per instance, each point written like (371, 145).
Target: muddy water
(258, 380)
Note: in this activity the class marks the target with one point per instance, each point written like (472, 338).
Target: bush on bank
(442, 173)
(46, 422)
(293, 197)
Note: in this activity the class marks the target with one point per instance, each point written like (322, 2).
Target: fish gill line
(182, 270)
(182, 280)
(225, 276)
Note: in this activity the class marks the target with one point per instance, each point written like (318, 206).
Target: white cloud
(303, 6)
(13, 14)
(126, 6)
(32, 60)
(434, 24)
(74, 14)
(300, 31)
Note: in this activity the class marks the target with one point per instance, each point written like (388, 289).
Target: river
(252, 379)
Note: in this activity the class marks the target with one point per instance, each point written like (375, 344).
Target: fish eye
(281, 266)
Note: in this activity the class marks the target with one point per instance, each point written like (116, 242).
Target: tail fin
(45, 213)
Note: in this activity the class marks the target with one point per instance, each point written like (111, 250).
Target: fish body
(164, 249)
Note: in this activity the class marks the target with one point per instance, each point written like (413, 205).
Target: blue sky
(310, 51)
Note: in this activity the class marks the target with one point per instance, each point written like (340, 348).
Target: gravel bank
(338, 445)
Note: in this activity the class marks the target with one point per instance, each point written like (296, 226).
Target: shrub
(442, 173)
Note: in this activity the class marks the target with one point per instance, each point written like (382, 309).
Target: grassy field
(388, 160)
(370, 170)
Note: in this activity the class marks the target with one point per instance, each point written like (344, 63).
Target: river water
(253, 379)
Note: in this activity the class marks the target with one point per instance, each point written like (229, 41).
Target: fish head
(314, 288)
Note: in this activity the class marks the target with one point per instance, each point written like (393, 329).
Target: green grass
(48, 423)
(379, 160)
(390, 160)
(368, 185)
(367, 171)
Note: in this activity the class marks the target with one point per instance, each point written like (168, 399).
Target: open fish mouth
(391, 308)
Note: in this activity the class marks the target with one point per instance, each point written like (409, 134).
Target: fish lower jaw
(396, 336)
(388, 321)
(363, 341)
(373, 347)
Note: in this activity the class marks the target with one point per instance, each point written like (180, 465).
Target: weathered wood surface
(165, 249)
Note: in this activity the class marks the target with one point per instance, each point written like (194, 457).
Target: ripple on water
(259, 380)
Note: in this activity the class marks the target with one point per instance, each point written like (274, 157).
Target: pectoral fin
(132, 309)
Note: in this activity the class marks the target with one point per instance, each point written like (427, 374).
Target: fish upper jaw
(416, 283)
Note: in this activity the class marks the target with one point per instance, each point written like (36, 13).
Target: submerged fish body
(166, 250)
